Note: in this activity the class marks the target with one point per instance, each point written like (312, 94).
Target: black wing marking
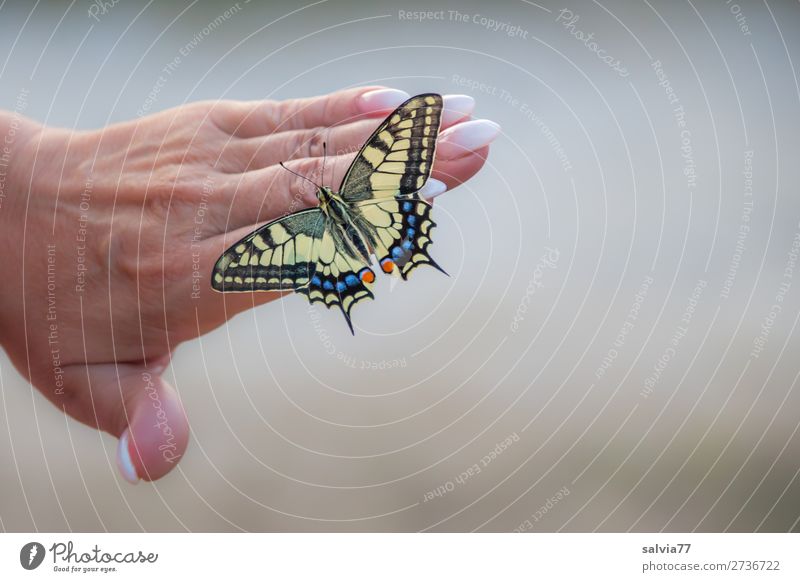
(396, 160)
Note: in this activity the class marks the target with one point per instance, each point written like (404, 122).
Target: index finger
(257, 118)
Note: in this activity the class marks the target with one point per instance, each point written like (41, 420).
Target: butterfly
(325, 252)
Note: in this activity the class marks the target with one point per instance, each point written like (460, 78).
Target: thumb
(133, 403)
(157, 432)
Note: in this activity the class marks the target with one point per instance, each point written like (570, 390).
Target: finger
(158, 431)
(263, 151)
(254, 118)
(133, 403)
(465, 138)
(260, 152)
(454, 172)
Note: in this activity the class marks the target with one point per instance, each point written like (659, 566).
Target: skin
(161, 198)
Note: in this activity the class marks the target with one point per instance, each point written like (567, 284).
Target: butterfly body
(340, 217)
(325, 252)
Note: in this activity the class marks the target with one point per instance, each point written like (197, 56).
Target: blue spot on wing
(327, 285)
(351, 280)
(315, 281)
(407, 206)
(397, 252)
(412, 220)
(341, 286)
(410, 232)
(407, 244)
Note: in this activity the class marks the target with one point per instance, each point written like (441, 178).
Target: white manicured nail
(433, 188)
(381, 99)
(456, 107)
(158, 365)
(459, 140)
(124, 461)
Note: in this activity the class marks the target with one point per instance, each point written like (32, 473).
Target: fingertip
(379, 100)
(158, 432)
(158, 365)
(433, 188)
(456, 108)
(457, 171)
(467, 137)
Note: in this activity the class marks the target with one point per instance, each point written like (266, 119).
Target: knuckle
(128, 251)
(186, 189)
(124, 254)
(210, 111)
(136, 249)
(139, 256)
(259, 117)
(272, 113)
(169, 192)
(308, 144)
(285, 114)
(310, 168)
(158, 196)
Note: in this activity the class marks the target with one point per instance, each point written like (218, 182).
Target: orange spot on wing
(367, 276)
(387, 265)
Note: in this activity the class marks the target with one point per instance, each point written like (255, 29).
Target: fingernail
(381, 99)
(157, 366)
(124, 461)
(158, 369)
(456, 107)
(433, 188)
(460, 140)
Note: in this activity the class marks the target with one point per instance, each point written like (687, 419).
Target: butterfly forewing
(397, 159)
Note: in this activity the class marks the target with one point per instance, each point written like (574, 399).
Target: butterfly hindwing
(399, 231)
(279, 256)
(341, 278)
(396, 160)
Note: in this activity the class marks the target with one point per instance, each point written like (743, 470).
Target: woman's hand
(110, 237)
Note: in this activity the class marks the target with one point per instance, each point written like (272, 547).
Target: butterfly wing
(396, 160)
(279, 256)
(399, 230)
(342, 278)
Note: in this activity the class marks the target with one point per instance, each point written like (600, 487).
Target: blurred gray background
(603, 306)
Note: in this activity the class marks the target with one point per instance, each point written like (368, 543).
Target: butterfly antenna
(282, 165)
(324, 155)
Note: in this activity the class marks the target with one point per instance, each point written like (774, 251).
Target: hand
(110, 237)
